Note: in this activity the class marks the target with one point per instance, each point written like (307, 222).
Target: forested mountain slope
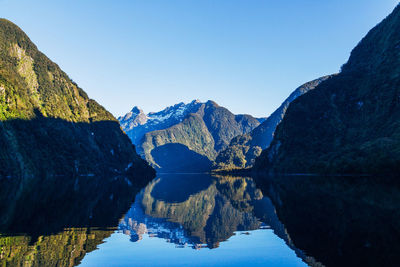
(48, 125)
(243, 149)
(351, 122)
(185, 137)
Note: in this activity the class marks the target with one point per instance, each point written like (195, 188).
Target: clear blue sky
(247, 55)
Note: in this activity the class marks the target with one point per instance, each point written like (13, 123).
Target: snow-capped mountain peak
(133, 118)
(136, 123)
(175, 112)
(136, 110)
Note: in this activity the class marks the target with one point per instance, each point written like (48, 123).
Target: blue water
(260, 248)
(212, 223)
(200, 220)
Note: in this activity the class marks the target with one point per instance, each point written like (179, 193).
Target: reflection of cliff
(66, 248)
(46, 206)
(265, 210)
(339, 221)
(56, 221)
(136, 223)
(207, 216)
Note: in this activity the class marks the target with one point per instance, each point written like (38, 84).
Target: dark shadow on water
(48, 206)
(339, 221)
(179, 187)
(65, 216)
(326, 221)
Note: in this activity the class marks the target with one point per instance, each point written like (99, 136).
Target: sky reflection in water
(196, 220)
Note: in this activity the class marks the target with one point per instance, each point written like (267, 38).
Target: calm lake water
(197, 220)
(201, 220)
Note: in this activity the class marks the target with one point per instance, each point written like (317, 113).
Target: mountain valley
(195, 132)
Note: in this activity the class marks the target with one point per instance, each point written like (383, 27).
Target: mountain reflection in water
(213, 220)
(55, 221)
(339, 221)
(194, 210)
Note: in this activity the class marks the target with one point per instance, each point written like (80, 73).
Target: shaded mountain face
(243, 149)
(48, 125)
(351, 122)
(194, 132)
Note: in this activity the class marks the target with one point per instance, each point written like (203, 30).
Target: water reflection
(227, 221)
(66, 248)
(339, 221)
(55, 221)
(194, 210)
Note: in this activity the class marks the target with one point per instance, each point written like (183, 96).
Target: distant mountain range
(185, 137)
(207, 134)
(343, 123)
(351, 122)
(136, 123)
(244, 149)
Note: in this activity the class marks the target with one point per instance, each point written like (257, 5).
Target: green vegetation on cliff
(205, 132)
(48, 125)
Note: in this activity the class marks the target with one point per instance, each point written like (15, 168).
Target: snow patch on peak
(131, 115)
(133, 118)
(177, 112)
(136, 123)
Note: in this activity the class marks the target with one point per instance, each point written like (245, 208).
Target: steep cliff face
(243, 149)
(48, 125)
(350, 123)
(186, 137)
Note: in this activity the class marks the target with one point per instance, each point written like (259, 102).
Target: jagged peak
(212, 103)
(195, 101)
(176, 106)
(136, 110)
